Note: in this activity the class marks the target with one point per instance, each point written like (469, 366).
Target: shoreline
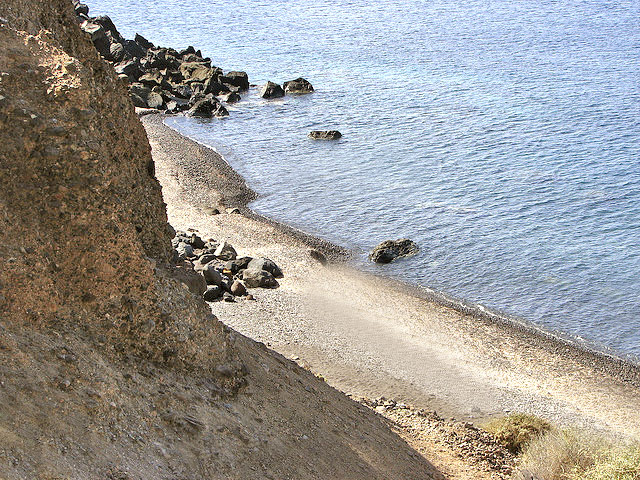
(625, 366)
(386, 337)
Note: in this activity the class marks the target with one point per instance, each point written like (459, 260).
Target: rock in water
(299, 85)
(271, 90)
(325, 134)
(389, 250)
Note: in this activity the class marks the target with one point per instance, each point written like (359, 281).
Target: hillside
(109, 366)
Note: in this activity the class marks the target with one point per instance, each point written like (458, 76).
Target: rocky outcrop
(389, 250)
(162, 78)
(271, 90)
(299, 85)
(325, 134)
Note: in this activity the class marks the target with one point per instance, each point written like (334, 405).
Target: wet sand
(371, 336)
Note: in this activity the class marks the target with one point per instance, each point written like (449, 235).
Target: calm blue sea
(503, 136)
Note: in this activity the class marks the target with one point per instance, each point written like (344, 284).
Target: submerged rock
(389, 250)
(325, 134)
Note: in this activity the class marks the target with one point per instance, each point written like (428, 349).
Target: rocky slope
(109, 366)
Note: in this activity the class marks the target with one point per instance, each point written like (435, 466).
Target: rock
(207, 108)
(133, 49)
(231, 97)
(265, 264)
(233, 211)
(196, 242)
(196, 71)
(211, 275)
(81, 9)
(318, 256)
(184, 250)
(259, 278)
(234, 266)
(325, 134)
(116, 52)
(153, 79)
(271, 90)
(143, 42)
(228, 297)
(213, 293)
(225, 252)
(187, 51)
(130, 68)
(237, 79)
(214, 87)
(205, 259)
(155, 100)
(98, 37)
(299, 85)
(238, 289)
(105, 22)
(389, 250)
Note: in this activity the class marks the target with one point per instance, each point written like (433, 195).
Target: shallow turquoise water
(502, 136)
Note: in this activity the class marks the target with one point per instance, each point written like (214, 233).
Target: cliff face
(109, 367)
(84, 238)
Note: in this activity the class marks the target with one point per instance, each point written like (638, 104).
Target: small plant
(518, 430)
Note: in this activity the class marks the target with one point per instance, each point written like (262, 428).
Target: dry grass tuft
(518, 430)
(570, 455)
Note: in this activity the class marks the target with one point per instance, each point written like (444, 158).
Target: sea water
(502, 136)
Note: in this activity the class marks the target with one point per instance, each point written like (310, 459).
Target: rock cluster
(389, 250)
(163, 78)
(220, 273)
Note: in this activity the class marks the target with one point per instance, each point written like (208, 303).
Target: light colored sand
(370, 337)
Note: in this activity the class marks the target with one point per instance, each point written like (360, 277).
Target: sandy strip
(372, 337)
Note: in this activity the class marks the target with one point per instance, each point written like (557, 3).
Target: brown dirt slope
(109, 367)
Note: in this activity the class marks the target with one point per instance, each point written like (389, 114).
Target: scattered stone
(271, 90)
(238, 289)
(325, 134)
(299, 85)
(389, 250)
(184, 250)
(233, 211)
(228, 297)
(212, 211)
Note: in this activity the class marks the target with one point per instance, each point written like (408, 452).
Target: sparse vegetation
(553, 454)
(518, 430)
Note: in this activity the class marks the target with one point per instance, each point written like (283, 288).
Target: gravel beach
(370, 336)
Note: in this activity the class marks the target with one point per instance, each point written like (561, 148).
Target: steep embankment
(109, 367)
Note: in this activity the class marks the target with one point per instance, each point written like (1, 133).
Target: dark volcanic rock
(207, 107)
(271, 90)
(133, 49)
(325, 134)
(234, 266)
(299, 85)
(213, 293)
(237, 79)
(389, 250)
(130, 68)
(143, 42)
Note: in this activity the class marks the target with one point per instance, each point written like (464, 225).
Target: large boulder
(225, 251)
(265, 264)
(130, 68)
(259, 278)
(299, 85)
(198, 71)
(325, 134)
(271, 90)
(389, 250)
(143, 42)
